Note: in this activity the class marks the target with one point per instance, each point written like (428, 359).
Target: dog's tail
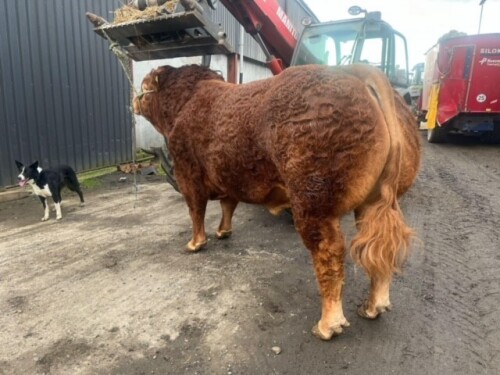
(71, 181)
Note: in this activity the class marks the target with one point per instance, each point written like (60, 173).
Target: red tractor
(461, 89)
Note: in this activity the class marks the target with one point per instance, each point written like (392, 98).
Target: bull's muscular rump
(322, 141)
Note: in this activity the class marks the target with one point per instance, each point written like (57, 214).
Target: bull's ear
(161, 75)
(19, 165)
(34, 165)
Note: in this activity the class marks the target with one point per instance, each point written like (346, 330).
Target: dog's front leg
(56, 196)
(58, 210)
(45, 207)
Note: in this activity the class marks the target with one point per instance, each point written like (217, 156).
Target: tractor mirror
(355, 10)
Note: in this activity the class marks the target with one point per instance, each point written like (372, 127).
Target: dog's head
(27, 174)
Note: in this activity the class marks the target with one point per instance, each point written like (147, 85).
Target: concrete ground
(110, 290)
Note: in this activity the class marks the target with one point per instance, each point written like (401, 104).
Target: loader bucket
(179, 34)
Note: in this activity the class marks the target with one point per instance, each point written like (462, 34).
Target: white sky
(422, 22)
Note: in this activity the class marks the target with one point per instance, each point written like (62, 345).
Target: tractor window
(399, 76)
(367, 41)
(371, 52)
(318, 49)
(330, 45)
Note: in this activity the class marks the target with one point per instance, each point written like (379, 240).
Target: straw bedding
(128, 13)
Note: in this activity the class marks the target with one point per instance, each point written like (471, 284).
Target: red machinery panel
(267, 19)
(468, 71)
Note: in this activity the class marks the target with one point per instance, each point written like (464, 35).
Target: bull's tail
(382, 242)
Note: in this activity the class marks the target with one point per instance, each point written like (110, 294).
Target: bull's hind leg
(379, 299)
(197, 207)
(380, 247)
(378, 302)
(326, 242)
(228, 206)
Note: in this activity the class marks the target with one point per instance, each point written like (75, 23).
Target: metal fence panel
(63, 95)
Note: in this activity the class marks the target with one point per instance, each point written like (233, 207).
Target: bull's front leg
(228, 206)
(197, 207)
(326, 243)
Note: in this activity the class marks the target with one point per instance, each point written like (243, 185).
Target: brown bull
(319, 140)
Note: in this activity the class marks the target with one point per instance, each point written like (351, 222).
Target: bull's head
(165, 91)
(144, 101)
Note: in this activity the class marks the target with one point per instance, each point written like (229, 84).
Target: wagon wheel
(437, 134)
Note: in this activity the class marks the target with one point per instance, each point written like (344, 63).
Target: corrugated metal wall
(63, 95)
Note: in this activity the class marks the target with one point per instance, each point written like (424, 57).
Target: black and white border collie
(49, 183)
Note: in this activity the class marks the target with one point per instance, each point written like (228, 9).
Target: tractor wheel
(437, 134)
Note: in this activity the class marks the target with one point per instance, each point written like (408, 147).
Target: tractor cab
(367, 40)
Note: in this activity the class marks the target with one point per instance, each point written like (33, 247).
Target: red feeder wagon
(461, 91)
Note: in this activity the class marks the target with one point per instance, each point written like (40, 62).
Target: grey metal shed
(63, 96)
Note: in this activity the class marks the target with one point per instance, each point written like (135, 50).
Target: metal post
(232, 68)
(481, 3)
(241, 51)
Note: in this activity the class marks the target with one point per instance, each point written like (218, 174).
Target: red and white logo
(489, 62)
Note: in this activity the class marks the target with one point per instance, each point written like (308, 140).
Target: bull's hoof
(327, 334)
(364, 311)
(221, 234)
(192, 247)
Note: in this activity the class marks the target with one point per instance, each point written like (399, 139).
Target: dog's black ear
(34, 165)
(19, 165)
